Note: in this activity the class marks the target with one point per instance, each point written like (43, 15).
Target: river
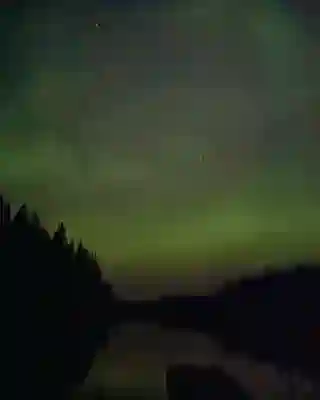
(138, 355)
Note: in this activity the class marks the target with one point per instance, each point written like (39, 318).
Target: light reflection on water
(138, 355)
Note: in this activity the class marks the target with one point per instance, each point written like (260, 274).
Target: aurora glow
(181, 134)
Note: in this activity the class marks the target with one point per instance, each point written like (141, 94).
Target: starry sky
(179, 140)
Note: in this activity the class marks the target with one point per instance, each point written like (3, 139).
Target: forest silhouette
(60, 305)
(59, 311)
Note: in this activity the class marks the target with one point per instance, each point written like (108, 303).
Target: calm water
(138, 355)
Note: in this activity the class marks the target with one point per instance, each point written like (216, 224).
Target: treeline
(58, 307)
(273, 317)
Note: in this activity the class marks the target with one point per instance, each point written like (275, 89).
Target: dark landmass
(272, 317)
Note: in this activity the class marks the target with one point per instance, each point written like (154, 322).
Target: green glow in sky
(183, 136)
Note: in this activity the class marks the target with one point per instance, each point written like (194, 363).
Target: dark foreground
(59, 312)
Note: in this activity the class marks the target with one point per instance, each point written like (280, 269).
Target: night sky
(180, 140)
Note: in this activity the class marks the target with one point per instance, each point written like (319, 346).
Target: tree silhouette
(271, 318)
(60, 235)
(59, 308)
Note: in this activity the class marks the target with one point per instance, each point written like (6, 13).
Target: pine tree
(22, 215)
(60, 235)
(35, 220)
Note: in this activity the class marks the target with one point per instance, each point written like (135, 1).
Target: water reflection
(133, 366)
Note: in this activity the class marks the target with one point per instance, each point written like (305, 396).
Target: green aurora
(168, 139)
